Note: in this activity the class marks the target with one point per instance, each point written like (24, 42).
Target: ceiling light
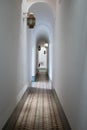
(46, 44)
(31, 20)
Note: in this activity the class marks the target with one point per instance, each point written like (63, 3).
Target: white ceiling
(44, 11)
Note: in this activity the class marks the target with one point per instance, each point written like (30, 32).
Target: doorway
(42, 61)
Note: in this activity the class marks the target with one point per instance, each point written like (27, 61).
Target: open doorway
(42, 61)
(42, 66)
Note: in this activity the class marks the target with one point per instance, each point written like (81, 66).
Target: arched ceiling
(26, 4)
(43, 36)
(44, 11)
(44, 21)
(42, 33)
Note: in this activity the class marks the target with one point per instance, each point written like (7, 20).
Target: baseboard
(13, 106)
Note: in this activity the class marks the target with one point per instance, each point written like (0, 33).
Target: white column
(33, 59)
(25, 50)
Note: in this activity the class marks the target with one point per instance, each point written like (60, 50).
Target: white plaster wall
(29, 3)
(13, 58)
(51, 44)
(83, 102)
(29, 49)
(70, 61)
(33, 59)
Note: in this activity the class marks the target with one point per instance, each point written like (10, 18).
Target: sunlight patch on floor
(42, 85)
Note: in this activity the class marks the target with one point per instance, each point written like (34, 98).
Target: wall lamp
(31, 20)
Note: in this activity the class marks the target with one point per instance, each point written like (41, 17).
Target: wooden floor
(42, 81)
(39, 109)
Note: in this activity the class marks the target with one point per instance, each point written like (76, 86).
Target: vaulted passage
(43, 64)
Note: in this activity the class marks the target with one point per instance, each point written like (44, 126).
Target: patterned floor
(40, 111)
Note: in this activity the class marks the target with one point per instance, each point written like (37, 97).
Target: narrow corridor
(39, 109)
(50, 36)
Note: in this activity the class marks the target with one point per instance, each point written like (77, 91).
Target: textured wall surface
(13, 58)
(70, 62)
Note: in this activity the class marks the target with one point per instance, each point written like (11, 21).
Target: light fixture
(31, 20)
(46, 44)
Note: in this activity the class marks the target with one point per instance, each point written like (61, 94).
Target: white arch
(26, 4)
(43, 30)
(44, 26)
